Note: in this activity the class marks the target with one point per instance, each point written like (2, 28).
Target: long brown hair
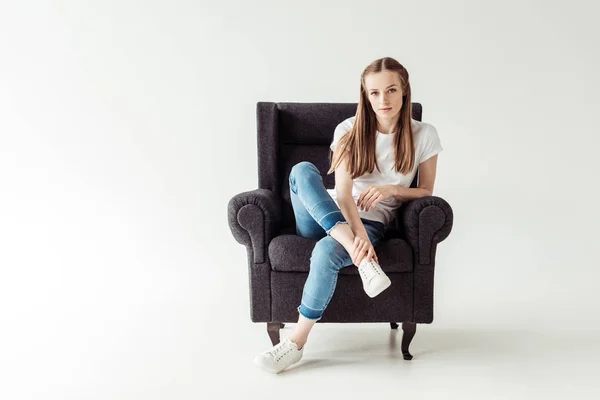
(359, 143)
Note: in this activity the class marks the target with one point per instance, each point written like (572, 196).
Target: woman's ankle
(299, 342)
(344, 235)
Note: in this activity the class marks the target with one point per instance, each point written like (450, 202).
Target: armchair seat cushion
(291, 253)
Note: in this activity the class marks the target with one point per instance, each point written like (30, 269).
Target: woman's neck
(387, 126)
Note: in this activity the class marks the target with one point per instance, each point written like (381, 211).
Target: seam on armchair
(257, 258)
(425, 259)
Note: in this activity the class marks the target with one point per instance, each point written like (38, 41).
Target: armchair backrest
(289, 133)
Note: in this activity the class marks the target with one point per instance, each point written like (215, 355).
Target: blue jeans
(316, 215)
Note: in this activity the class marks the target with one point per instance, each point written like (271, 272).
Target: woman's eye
(376, 92)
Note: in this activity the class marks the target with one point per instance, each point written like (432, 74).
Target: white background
(126, 127)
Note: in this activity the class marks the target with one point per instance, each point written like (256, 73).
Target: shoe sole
(269, 368)
(378, 289)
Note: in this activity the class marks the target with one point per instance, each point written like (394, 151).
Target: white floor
(356, 360)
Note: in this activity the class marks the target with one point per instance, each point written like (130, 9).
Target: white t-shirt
(427, 144)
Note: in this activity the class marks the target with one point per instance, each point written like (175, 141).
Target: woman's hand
(363, 249)
(369, 199)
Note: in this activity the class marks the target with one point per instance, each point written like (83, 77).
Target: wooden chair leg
(273, 331)
(409, 328)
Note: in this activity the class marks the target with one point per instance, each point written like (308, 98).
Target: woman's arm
(350, 212)
(343, 188)
(427, 173)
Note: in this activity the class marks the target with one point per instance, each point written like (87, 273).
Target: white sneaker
(374, 279)
(281, 356)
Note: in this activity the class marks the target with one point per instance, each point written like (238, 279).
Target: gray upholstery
(278, 260)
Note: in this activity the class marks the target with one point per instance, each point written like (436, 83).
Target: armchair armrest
(254, 219)
(425, 222)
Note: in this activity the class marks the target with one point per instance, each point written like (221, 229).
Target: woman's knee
(303, 168)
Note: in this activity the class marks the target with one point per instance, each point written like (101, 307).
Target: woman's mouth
(386, 109)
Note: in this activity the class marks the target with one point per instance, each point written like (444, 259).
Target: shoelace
(369, 270)
(279, 351)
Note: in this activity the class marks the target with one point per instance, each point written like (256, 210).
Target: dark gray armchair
(278, 259)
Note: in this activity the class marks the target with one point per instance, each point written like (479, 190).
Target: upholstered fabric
(349, 302)
(291, 253)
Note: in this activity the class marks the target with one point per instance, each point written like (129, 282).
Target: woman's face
(384, 91)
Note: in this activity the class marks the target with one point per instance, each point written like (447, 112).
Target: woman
(375, 157)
